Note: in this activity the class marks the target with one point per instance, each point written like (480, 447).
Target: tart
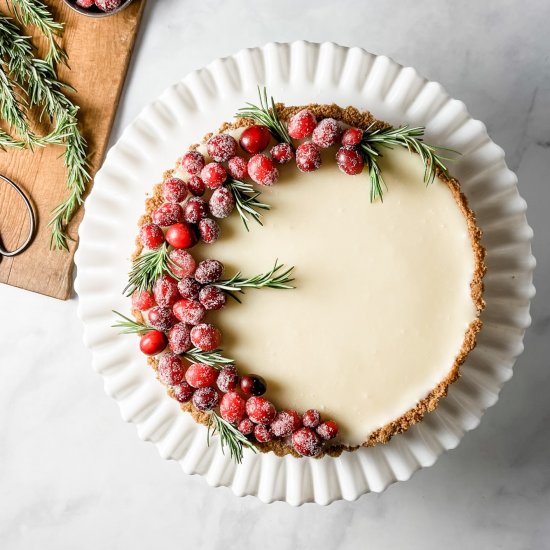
(363, 328)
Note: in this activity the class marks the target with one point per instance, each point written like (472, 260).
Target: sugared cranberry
(352, 136)
(262, 170)
(195, 209)
(255, 139)
(189, 311)
(209, 230)
(181, 235)
(201, 376)
(222, 203)
(221, 147)
(246, 426)
(108, 5)
(174, 190)
(151, 235)
(192, 162)
(282, 153)
(237, 168)
(85, 3)
(205, 399)
(350, 160)
(306, 442)
(253, 384)
(152, 342)
(165, 290)
(189, 288)
(302, 124)
(285, 423)
(311, 418)
(262, 433)
(142, 300)
(232, 407)
(308, 157)
(185, 263)
(228, 379)
(206, 337)
(179, 338)
(196, 186)
(168, 213)
(161, 318)
(183, 392)
(260, 410)
(170, 369)
(212, 297)
(328, 429)
(327, 133)
(213, 175)
(209, 271)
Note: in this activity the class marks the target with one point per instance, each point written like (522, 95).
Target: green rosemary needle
(230, 437)
(246, 201)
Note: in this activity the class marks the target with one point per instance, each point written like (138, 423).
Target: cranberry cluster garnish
(99, 5)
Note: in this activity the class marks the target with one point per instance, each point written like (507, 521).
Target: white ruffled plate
(301, 73)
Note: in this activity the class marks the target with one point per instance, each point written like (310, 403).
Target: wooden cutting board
(99, 52)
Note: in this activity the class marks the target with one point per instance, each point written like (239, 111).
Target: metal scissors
(32, 220)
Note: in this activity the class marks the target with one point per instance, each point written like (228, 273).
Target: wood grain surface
(99, 52)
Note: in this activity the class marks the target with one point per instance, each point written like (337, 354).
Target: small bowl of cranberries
(98, 8)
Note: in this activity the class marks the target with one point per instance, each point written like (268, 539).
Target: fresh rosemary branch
(11, 111)
(148, 268)
(266, 114)
(212, 358)
(230, 437)
(275, 278)
(129, 326)
(246, 201)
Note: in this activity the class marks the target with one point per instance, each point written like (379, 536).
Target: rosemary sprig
(230, 437)
(129, 326)
(212, 358)
(275, 278)
(148, 268)
(266, 114)
(246, 201)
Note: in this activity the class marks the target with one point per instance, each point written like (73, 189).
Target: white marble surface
(73, 475)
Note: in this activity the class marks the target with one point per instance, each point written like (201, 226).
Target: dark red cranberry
(262, 433)
(311, 418)
(161, 318)
(282, 153)
(205, 399)
(189, 288)
(253, 384)
(206, 337)
(152, 342)
(352, 136)
(170, 369)
(306, 442)
(260, 410)
(196, 186)
(308, 157)
(285, 423)
(222, 203)
(246, 426)
(228, 379)
(232, 407)
(328, 429)
(181, 235)
(221, 147)
(208, 271)
(199, 375)
(255, 139)
(185, 263)
(262, 170)
(143, 300)
(192, 162)
(327, 133)
(189, 311)
(237, 168)
(209, 230)
(195, 209)
(167, 214)
(350, 160)
(183, 392)
(179, 338)
(212, 297)
(151, 235)
(165, 290)
(302, 124)
(174, 190)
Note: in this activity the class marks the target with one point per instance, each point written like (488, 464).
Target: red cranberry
(161, 318)
(189, 288)
(228, 379)
(237, 168)
(328, 429)
(260, 410)
(195, 209)
(327, 133)
(306, 442)
(185, 263)
(201, 376)
(192, 162)
(262, 170)
(308, 157)
(189, 311)
(212, 297)
(262, 433)
(350, 160)
(352, 136)
(311, 418)
(152, 342)
(213, 175)
(174, 190)
(170, 369)
(302, 124)
(209, 230)
(165, 290)
(221, 147)
(222, 203)
(167, 214)
(206, 337)
(85, 3)
(285, 423)
(142, 300)
(179, 338)
(183, 392)
(196, 186)
(255, 139)
(232, 407)
(282, 153)
(151, 235)
(181, 235)
(253, 385)
(246, 426)
(205, 399)
(209, 271)
(108, 5)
